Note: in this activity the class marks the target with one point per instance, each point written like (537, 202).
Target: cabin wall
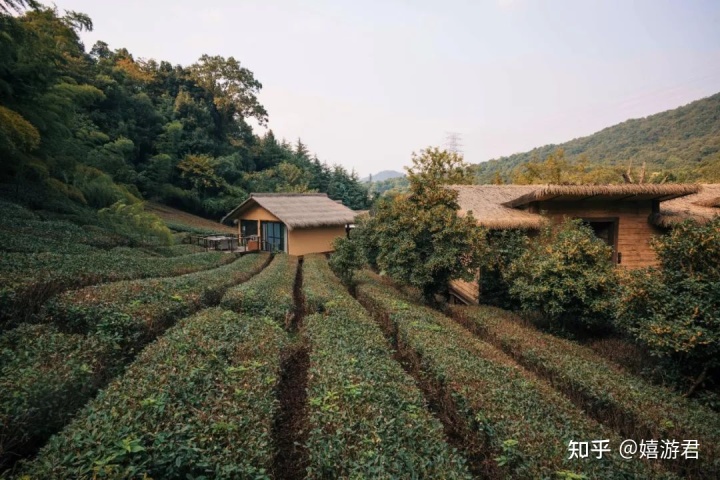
(302, 241)
(256, 213)
(634, 229)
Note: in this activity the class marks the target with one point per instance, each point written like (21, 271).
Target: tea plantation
(122, 358)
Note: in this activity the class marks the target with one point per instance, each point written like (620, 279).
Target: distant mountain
(384, 175)
(681, 145)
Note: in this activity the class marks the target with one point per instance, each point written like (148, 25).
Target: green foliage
(675, 311)
(680, 145)
(348, 257)
(199, 403)
(419, 238)
(28, 280)
(107, 326)
(567, 276)
(367, 419)
(133, 221)
(45, 375)
(489, 397)
(132, 312)
(268, 294)
(633, 407)
(108, 124)
(503, 248)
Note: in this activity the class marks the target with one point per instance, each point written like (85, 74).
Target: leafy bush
(268, 294)
(28, 280)
(346, 259)
(120, 317)
(198, 403)
(45, 375)
(367, 419)
(675, 311)
(420, 238)
(567, 276)
(133, 221)
(504, 247)
(131, 313)
(503, 412)
(635, 408)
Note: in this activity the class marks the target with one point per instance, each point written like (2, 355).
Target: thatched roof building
(701, 207)
(511, 206)
(297, 210)
(626, 217)
(296, 223)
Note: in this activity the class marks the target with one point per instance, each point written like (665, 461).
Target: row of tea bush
(366, 417)
(518, 426)
(50, 370)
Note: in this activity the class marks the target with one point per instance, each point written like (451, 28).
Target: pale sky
(365, 83)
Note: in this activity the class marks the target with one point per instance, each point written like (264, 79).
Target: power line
(453, 142)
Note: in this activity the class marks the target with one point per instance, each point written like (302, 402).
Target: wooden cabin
(624, 216)
(294, 223)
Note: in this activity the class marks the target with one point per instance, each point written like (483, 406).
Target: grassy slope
(683, 137)
(184, 221)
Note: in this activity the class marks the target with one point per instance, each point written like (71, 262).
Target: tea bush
(118, 320)
(635, 408)
(268, 294)
(198, 403)
(367, 419)
(28, 280)
(45, 375)
(520, 425)
(567, 276)
(130, 313)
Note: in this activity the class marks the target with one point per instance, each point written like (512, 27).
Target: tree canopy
(172, 133)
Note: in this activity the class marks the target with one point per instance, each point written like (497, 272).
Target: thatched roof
(630, 192)
(487, 205)
(298, 210)
(496, 206)
(701, 207)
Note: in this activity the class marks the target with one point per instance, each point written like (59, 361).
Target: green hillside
(678, 145)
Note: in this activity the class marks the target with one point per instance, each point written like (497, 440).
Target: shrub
(121, 317)
(346, 259)
(675, 311)
(367, 419)
(130, 313)
(45, 375)
(567, 276)
(28, 280)
(133, 221)
(199, 403)
(504, 247)
(502, 411)
(268, 294)
(633, 407)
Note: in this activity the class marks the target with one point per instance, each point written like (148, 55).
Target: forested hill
(678, 145)
(105, 126)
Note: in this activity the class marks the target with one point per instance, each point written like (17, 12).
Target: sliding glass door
(273, 236)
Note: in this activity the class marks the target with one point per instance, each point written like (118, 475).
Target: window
(273, 236)
(606, 229)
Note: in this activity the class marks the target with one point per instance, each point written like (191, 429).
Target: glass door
(273, 236)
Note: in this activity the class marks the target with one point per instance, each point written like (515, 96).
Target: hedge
(270, 293)
(45, 376)
(131, 313)
(118, 319)
(198, 403)
(519, 426)
(28, 280)
(634, 407)
(367, 418)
